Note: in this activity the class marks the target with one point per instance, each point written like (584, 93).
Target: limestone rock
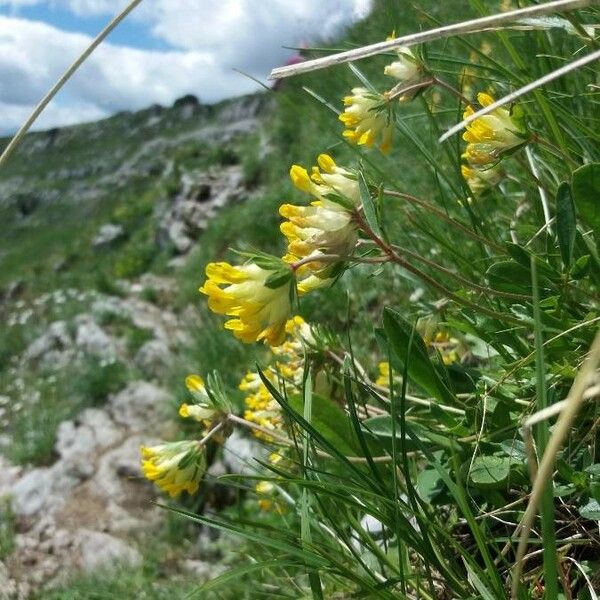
(43, 489)
(91, 431)
(92, 339)
(201, 569)
(107, 235)
(55, 338)
(153, 358)
(97, 550)
(141, 406)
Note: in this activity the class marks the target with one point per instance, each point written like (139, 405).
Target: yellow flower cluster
(451, 350)
(267, 497)
(327, 226)
(491, 136)
(480, 180)
(203, 409)
(368, 115)
(447, 346)
(287, 372)
(410, 73)
(259, 299)
(368, 119)
(175, 467)
(258, 295)
(383, 378)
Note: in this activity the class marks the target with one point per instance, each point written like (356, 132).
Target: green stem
(441, 83)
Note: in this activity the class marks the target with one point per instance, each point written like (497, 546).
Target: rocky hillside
(98, 221)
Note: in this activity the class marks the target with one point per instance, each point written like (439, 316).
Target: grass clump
(398, 411)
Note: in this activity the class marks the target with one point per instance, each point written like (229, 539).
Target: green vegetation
(409, 480)
(479, 335)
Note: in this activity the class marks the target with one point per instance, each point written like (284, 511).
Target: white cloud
(33, 55)
(209, 39)
(55, 115)
(249, 34)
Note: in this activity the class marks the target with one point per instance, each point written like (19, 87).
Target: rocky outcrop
(76, 513)
(202, 195)
(107, 235)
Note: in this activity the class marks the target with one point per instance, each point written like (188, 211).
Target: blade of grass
(37, 111)
(574, 401)
(551, 567)
(305, 517)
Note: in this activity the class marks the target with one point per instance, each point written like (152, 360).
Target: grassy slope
(300, 130)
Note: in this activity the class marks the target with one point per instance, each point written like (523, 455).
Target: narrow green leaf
(565, 222)
(368, 205)
(235, 574)
(485, 592)
(542, 435)
(421, 369)
(586, 195)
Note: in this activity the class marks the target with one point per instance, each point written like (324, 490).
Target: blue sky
(165, 49)
(131, 32)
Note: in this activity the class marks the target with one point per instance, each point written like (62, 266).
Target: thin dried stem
(37, 111)
(436, 211)
(471, 26)
(544, 474)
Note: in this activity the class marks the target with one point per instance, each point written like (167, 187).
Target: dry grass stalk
(37, 111)
(573, 402)
(471, 26)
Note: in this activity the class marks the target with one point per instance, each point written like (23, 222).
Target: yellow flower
(492, 135)
(258, 298)
(367, 119)
(313, 282)
(266, 501)
(480, 180)
(203, 409)
(408, 70)
(286, 375)
(261, 407)
(447, 346)
(326, 180)
(175, 467)
(327, 226)
(383, 379)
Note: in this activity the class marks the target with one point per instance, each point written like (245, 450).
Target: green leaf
(518, 253)
(565, 222)
(509, 276)
(278, 279)
(586, 194)
(330, 421)
(420, 367)
(383, 428)
(513, 276)
(429, 484)
(490, 472)
(478, 584)
(368, 206)
(581, 267)
(591, 510)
